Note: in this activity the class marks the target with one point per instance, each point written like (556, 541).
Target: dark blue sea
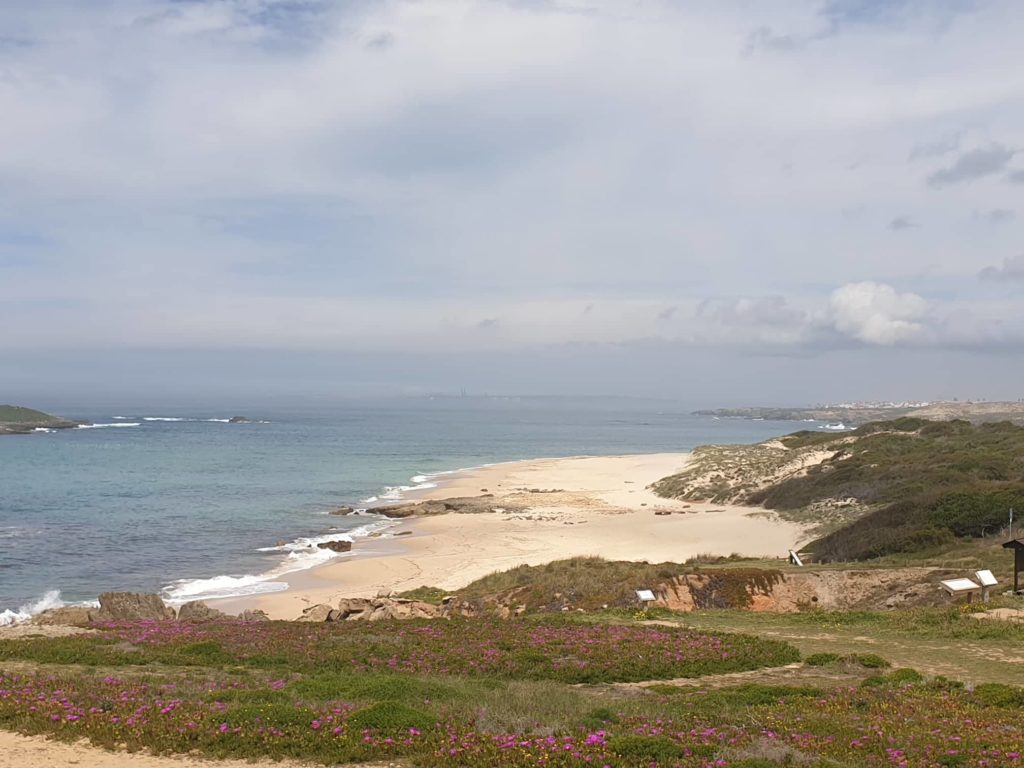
(178, 501)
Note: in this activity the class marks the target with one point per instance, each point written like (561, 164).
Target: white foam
(840, 427)
(397, 492)
(222, 421)
(220, 586)
(43, 430)
(122, 418)
(300, 555)
(107, 426)
(49, 600)
(162, 418)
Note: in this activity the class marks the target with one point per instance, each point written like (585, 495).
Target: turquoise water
(187, 506)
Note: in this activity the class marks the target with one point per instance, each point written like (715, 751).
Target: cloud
(1015, 177)
(996, 215)
(842, 14)
(398, 175)
(1011, 269)
(974, 164)
(875, 313)
(936, 148)
(753, 311)
(764, 39)
(900, 223)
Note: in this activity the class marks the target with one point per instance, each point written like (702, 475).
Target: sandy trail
(17, 751)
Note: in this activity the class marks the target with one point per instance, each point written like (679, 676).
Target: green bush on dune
(923, 484)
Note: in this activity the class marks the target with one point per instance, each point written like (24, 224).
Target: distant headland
(861, 413)
(16, 420)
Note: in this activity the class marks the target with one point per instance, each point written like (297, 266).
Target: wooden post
(1017, 545)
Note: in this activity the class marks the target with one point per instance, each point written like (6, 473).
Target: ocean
(181, 502)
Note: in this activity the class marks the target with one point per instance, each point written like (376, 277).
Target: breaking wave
(300, 554)
(108, 426)
(49, 600)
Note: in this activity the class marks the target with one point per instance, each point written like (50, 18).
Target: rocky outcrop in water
(336, 545)
(466, 505)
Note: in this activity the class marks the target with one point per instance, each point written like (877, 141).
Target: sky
(723, 202)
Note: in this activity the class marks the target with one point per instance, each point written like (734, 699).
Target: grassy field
(602, 690)
(935, 641)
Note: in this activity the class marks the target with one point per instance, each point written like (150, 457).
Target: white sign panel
(645, 595)
(986, 578)
(959, 585)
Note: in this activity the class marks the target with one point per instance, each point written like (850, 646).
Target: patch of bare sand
(20, 631)
(17, 751)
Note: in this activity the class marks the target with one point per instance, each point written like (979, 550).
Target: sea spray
(49, 600)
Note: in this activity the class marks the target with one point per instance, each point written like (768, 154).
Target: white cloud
(203, 173)
(875, 313)
(1012, 269)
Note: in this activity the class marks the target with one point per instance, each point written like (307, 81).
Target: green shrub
(875, 681)
(999, 695)
(391, 716)
(869, 660)
(281, 716)
(603, 715)
(656, 748)
(943, 683)
(904, 676)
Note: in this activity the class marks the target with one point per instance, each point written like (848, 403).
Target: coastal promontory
(17, 420)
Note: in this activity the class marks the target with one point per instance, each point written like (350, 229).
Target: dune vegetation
(901, 486)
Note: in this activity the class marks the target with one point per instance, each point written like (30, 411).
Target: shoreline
(557, 508)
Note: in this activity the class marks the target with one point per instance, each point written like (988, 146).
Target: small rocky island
(16, 420)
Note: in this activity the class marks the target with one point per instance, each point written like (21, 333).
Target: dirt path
(17, 751)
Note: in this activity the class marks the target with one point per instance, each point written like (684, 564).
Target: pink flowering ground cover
(909, 726)
(511, 694)
(561, 650)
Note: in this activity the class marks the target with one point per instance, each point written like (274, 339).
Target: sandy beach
(574, 507)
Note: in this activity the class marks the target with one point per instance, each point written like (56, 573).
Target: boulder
(396, 608)
(382, 608)
(68, 616)
(197, 611)
(253, 614)
(132, 606)
(352, 608)
(342, 511)
(336, 545)
(239, 420)
(317, 613)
